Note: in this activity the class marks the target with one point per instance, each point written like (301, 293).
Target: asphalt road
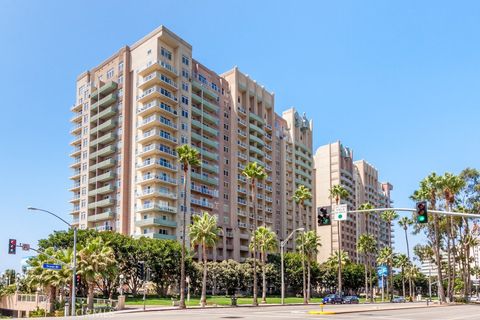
(374, 312)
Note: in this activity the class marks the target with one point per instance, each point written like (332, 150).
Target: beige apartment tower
(334, 165)
(133, 111)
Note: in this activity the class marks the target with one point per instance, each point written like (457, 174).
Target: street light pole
(282, 246)
(74, 262)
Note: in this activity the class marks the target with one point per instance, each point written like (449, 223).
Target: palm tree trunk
(449, 268)
(441, 291)
(255, 291)
(264, 279)
(308, 279)
(410, 293)
(366, 283)
(90, 296)
(184, 228)
(390, 282)
(304, 274)
(371, 284)
(403, 282)
(203, 299)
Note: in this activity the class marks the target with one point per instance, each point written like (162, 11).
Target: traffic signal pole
(447, 213)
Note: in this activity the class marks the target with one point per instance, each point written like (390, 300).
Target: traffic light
(422, 216)
(323, 217)
(141, 270)
(12, 246)
(78, 280)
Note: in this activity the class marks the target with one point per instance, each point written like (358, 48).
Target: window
(202, 79)
(184, 126)
(184, 140)
(184, 100)
(120, 79)
(120, 67)
(185, 73)
(214, 86)
(225, 138)
(225, 126)
(184, 113)
(185, 60)
(85, 142)
(84, 155)
(225, 149)
(165, 53)
(225, 173)
(185, 86)
(149, 52)
(110, 74)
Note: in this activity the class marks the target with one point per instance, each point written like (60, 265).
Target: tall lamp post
(282, 246)
(74, 267)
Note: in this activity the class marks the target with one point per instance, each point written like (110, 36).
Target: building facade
(335, 165)
(133, 111)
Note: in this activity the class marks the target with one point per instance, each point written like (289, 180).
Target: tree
(428, 191)
(311, 244)
(389, 216)
(366, 206)
(412, 273)
(386, 256)
(96, 259)
(405, 222)
(266, 241)
(401, 261)
(367, 245)
(450, 185)
(204, 232)
(338, 192)
(188, 157)
(254, 172)
(301, 194)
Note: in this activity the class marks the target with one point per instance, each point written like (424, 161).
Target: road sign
(52, 266)
(339, 212)
(25, 246)
(382, 271)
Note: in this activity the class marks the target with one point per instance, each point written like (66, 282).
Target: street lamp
(74, 267)
(282, 246)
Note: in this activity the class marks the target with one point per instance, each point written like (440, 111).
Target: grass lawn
(219, 300)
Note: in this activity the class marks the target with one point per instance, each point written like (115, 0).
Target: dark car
(333, 299)
(351, 300)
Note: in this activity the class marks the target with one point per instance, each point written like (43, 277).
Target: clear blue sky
(398, 81)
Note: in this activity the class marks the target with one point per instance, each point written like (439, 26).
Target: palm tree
(311, 245)
(253, 171)
(412, 272)
(332, 261)
(301, 194)
(204, 232)
(405, 222)
(96, 259)
(187, 157)
(428, 191)
(338, 192)
(389, 216)
(401, 261)
(367, 245)
(450, 185)
(266, 241)
(386, 256)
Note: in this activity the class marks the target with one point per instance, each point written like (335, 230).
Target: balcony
(257, 151)
(157, 148)
(107, 88)
(105, 102)
(257, 140)
(204, 140)
(107, 125)
(156, 222)
(77, 128)
(254, 128)
(207, 154)
(208, 180)
(156, 78)
(200, 202)
(157, 192)
(205, 190)
(242, 155)
(157, 163)
(205, 116)
(205, 128)
(259, 162)
(100, 216)
(103, 190)
(108, 150)
(157, 92)
(303, 173)
(206, 90)
(103, 177)
(105, 114)
(156, 106)
(75, 174)
(158, 66)
(207, 104)
(156, 235)
(77, 117)
(101, 204)
(103, 165)
(151, 121)
(257, 118)
(210, 167)
(148, 178)
(241, 144)
(154, 134)
(157, 207)
(107, 138)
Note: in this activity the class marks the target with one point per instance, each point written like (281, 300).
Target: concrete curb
(386, 309)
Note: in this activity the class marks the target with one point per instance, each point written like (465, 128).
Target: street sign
(52, 266)
(339, 212)
(25, 246)
(382, 271)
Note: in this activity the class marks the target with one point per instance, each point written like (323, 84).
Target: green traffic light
(421, 218)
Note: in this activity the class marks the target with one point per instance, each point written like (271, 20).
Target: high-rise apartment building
(334, 165)
(135, 109)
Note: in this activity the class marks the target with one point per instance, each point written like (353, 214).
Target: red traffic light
(12, 246)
